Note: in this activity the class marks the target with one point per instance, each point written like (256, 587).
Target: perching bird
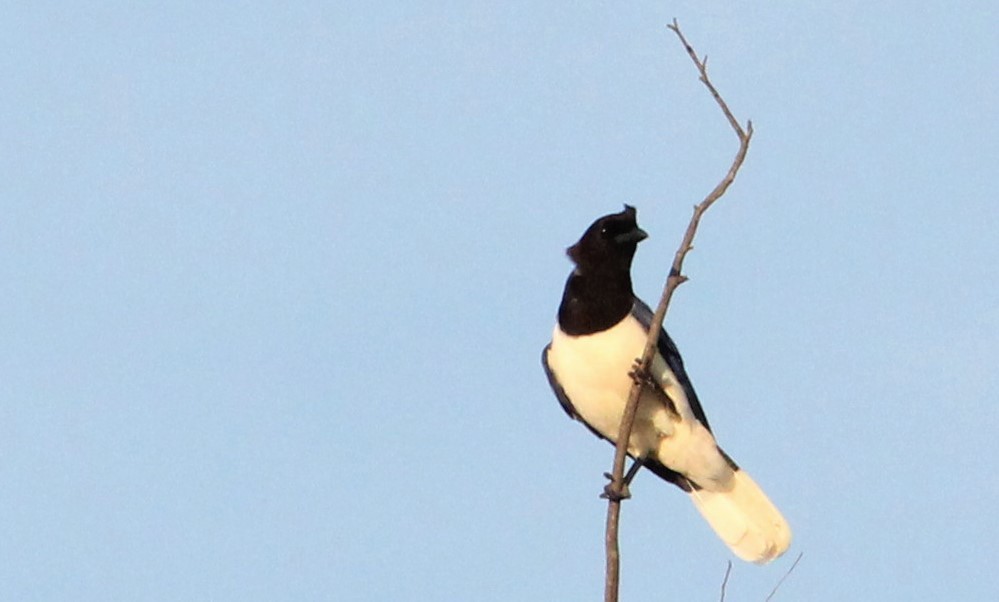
(601, 332)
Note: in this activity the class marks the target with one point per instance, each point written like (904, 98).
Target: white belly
(593, 372)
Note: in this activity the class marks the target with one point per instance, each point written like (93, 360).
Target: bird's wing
(667, 349)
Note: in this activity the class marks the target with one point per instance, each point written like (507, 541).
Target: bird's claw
(613, 494)
(640, 374)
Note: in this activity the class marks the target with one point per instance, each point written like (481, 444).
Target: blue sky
(276, 282)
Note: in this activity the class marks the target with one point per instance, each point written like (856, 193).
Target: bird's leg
(611, 494)
(635, 467)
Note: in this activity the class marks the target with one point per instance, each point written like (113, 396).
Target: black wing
(563, 399)
(671, 355)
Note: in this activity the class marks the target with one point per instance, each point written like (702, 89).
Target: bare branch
(774, 590)
(616, 488)
(728, 571)
(702, 68)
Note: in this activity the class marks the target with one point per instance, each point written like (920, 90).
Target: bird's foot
(613, 494)
(642, 375)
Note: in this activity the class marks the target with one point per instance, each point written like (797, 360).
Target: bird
(591, 362)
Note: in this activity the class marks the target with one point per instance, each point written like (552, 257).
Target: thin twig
(728, 571)
(702, 67)
(675, 279)
(774, 590)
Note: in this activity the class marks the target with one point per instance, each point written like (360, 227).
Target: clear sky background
(276, 282)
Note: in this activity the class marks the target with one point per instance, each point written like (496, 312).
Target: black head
(609, 243)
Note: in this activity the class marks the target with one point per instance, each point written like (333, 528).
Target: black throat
(595, 301)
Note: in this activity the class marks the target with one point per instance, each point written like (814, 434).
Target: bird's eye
(604, 232)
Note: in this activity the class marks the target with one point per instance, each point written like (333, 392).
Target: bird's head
(609, 243)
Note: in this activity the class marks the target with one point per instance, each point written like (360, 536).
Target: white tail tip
(745, 519)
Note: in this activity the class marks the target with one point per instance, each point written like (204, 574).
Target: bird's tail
(745, 519)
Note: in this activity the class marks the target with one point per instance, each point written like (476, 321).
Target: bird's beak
(636, 236)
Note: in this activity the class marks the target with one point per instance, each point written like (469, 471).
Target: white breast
(593, 372)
